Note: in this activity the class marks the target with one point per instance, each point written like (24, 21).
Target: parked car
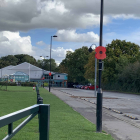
(83, 87)
(74, 86)
(78, 86)
(91, 87)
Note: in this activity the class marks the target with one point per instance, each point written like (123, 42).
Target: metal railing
(43, 111)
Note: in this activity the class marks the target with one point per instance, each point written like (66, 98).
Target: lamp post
(100, 93)
(43, 69)
(50, 62)
(1, 74)
(90, 50)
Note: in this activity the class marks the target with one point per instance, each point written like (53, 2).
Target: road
(121, 112)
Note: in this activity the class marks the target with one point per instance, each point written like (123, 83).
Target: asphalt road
(124, 126)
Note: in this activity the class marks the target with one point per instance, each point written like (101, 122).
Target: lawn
(65, 123)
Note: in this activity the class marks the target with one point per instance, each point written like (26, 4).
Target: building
(26, 72)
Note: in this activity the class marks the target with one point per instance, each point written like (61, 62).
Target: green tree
(62, 68)
(4, 63)
(45, 64)
(26, 58)
(90, 68)
(129, 79)
(116, 52)
(11, 59)
(74, 64)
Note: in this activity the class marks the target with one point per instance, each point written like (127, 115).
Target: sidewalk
(118, 126)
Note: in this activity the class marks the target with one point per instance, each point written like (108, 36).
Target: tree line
(20, 58)
(121, 66)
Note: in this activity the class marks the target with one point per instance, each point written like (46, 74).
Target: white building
(27, 72)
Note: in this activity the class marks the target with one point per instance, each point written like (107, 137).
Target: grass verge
(65, 123)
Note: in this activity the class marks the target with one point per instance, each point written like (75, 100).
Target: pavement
(120, 114)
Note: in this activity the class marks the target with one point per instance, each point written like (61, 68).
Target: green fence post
(44, 121)
(40, 100)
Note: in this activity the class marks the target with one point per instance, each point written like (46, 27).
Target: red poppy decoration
(50, 74)
(43, 78)
(100, 52)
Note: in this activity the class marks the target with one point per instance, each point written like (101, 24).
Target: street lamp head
(55, 36)
(44, 56)
(93, 45)
(90, 49)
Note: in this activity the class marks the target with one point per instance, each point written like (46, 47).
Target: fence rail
(43, 111)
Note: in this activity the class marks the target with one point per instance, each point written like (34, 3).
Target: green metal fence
(43, 111)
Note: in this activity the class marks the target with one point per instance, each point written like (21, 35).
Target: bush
(128, 80)
(7, 84)
(46, 84)
(28, 84)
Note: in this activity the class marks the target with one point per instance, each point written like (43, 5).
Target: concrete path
(118, 125)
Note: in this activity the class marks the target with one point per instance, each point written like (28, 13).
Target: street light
(50, 61)
(43, 69)
(90, 50)
(100, 93)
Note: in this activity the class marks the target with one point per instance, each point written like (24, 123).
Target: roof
(8, 67)
(47, 72)
(61, 73)
(25, 66)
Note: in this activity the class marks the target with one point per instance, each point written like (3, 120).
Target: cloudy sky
(26, 26)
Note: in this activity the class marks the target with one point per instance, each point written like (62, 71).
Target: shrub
(7, 84)
(46, 84)
(28, 84)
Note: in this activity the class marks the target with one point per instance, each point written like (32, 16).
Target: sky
(26, 26)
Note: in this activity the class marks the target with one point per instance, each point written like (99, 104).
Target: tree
(62, 68)
(74, 64)
(45, 64)
(11, 59)
(114, 51)
(129, 79)
(90, 67)
(4, 63)
(25, 58)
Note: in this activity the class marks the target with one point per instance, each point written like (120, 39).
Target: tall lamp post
(43, 69)
(100, 93)
(50, 62)
(90, 50)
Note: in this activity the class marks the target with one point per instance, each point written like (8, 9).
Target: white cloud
(49, 6)
(72, 36)
(59, 54)
(133, 37)
(115, 7)
(63, 14)
(125, 16)
(44, 14)
(13, 43)
(40, 43)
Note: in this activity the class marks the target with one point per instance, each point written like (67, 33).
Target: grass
(65, 123)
